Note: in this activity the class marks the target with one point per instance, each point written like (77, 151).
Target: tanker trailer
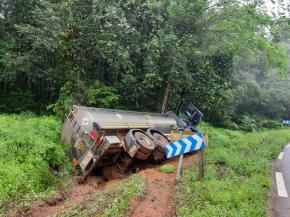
(107, 139)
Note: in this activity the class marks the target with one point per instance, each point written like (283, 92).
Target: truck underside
(110, 142)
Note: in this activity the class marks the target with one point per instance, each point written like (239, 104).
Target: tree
(152, 54)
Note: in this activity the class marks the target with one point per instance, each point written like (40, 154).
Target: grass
(166, 168)
(237, 178)
(30, 156)
(113, 202)
(237, 175)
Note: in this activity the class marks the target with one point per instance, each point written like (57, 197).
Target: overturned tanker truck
(111, 141)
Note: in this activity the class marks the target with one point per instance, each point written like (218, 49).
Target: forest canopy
(225, 56)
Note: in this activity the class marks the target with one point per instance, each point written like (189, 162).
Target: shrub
(95, 94)
(268, 124)
(247, 124)
(30, 150)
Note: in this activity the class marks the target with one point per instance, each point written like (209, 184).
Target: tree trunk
(181, 95)
(178, 107)
(166, 96)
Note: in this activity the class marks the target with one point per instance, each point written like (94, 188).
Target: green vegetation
(30, 156)
(228, 57)
(166, 168)
(112, 202)
(237, 175)
(148, 55)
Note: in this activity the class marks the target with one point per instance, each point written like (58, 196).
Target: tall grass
(237, 176)
(30, 156)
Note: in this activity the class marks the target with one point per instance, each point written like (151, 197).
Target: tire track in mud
(157, 201)
(158, 198)
(159, 191)
(65, 199)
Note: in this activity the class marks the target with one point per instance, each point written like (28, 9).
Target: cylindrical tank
(97, 136)
(101, 138)
(110, 119)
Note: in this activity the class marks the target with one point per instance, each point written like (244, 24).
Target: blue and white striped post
(182, 146)
(189, 144)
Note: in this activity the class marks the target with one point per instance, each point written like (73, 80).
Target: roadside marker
(281, 156)
(282, 192)
(193, 142)
(184, 145)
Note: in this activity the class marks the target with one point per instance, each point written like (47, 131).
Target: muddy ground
(158, 199)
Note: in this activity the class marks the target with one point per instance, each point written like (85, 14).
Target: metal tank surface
(107, 119)
(110, 141)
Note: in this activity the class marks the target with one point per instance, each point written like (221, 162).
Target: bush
(30, 150)
(230, 125)
(268, 124)
(247, 124)
(78, 92)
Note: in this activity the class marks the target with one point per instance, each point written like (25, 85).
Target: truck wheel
(142, 140)
(159, 139)
(146, 145)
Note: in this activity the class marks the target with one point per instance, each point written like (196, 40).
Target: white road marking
(282, 192)
(288, 146)
(281, 156)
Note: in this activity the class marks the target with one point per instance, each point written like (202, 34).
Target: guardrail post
(179, 169)
(201, 166)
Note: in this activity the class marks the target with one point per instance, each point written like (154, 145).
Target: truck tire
(159, 140)
(142, 140)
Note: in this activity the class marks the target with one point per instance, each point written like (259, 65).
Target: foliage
(259, 95)
(247, 124)
(166, 168)
(112, 202)
(30, 153)
(17, 102)
(268, 124)
(237, 174)
(95, 52)
(96, 94)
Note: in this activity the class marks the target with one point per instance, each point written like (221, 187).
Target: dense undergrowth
(31, 157)
(237, 176)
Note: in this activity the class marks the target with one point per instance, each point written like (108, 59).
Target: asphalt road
(280, 192)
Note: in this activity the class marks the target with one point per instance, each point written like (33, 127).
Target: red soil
(65, 199)
(158, 200)
(159, 192)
